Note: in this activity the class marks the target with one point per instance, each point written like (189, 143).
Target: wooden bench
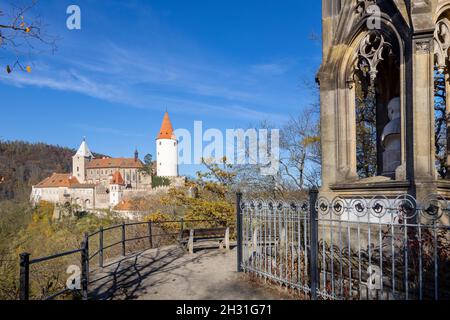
(189, 237)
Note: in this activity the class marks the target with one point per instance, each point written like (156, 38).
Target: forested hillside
(24, 164)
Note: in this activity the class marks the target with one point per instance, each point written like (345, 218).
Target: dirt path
(170, 273)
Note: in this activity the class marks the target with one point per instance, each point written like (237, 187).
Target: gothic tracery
(370, 53)
(362, 6)
(442, 44)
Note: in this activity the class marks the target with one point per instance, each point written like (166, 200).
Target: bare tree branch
(22, 35)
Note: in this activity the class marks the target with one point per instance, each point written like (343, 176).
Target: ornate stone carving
(442, 44)
(422, 46)
(362, 6)
(370, 53)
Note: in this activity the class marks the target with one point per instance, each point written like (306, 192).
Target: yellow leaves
(160, 218)
(310, 140)
(157, 217)
(27, 29)
(43, 212)
(28, 69)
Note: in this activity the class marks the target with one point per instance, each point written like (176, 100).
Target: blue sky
(228, 63)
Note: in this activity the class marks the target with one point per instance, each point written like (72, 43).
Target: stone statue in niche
(391, 139)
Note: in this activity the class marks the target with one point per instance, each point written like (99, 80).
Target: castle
(104, 183)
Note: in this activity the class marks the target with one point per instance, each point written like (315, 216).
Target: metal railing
(168, 233)
(349, 249)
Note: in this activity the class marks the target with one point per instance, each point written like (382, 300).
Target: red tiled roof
(128, 163)
(58, 180)
(166, 131)
(117, 179)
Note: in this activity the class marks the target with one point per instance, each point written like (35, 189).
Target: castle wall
(53, 195)
(83, 197)
(102, 198)
(131, 176)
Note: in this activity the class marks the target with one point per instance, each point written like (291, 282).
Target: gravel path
(172, 274)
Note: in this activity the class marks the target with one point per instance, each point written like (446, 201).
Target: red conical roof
(166, 131)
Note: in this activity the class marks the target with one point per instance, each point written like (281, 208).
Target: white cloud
(145, 78)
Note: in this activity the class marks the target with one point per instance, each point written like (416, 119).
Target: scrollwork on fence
(368, 248)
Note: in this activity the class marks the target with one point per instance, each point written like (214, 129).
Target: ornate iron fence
(350, 249)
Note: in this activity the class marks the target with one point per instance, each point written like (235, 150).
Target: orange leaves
(22, 25)
(10, 69)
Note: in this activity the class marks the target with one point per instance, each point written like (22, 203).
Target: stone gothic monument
(382, 61)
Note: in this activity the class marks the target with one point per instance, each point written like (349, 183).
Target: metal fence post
(100, 256)
(24, 293)
(85, 266)
(314, 233)
(239, 231)
(123, 239)
(150, 235)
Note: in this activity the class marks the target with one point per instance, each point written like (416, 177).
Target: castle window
(78, 169)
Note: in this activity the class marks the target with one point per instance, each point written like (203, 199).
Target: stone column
(328, 134)
(351, 130)
(423, 112)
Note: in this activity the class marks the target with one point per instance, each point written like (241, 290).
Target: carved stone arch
(442, 35)
(358, 33)
(345, 69)
(442, 43)
(358, 13)
(441, 10)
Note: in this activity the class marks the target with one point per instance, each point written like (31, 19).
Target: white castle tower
(80, 160)
(166, 150)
